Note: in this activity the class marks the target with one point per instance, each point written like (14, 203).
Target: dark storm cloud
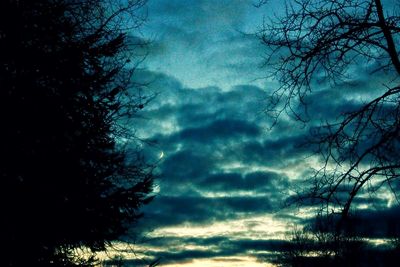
(200, 105)
(175, 210)
(203, 115)
(212, 129)
(329, 98)
(260, 182)
(330, 104)
(172, 241)
(277, 152)
(219, 130)
(203, 175)
(190, 169)
(183, 169)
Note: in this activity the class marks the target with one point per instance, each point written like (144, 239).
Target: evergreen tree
(67, 182)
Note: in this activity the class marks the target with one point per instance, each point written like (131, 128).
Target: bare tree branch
(324, 39)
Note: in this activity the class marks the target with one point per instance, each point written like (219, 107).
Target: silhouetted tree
(318, 41)
(68, 180)
(319, 244)
(313, 247)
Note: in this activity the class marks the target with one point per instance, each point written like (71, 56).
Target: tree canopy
(319, 41)
(68, 179)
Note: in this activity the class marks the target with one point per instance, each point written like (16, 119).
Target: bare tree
(312, 247)
(322, 40)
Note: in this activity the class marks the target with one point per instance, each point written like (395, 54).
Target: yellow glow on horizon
(265, 226)
(378, 241)
(234, 261)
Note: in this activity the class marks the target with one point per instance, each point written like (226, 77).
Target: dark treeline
(320, 244)
(66, 180)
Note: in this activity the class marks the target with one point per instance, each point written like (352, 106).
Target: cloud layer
(224, 174)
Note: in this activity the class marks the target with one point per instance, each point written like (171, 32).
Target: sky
(223, 174)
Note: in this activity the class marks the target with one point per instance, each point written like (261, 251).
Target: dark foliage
(66, 180)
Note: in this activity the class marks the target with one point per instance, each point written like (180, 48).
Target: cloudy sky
(223, 173)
